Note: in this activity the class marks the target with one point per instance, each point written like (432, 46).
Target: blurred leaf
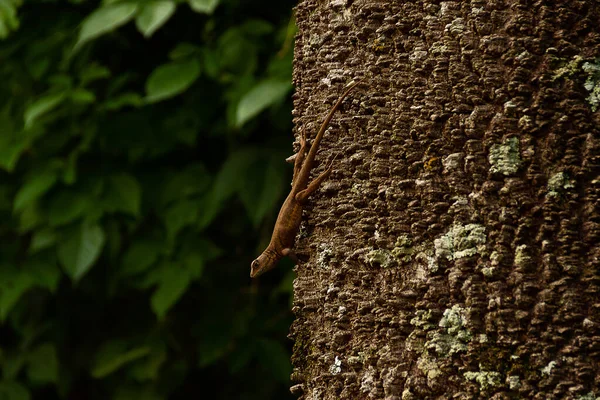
(8, 17)
(260, 198)
(184, 50)
(105, 19)
(41, 106)
(12, 140)
(153, 15)
(273, 356)
(43, 364)
(82, 96)
(204, 6)
(114, 355)
(260, 97)
(13, 390)
(171, 286)
(92, 73)
(34, 187)
(123, 194)
(44, 270)
(80, 249)
(229, 180)
(124, 100)
(140, 256)
(257, 27)
(237, 53)
(179, 215)
(66, 206)
(171, 79)
(194, 179)
(147, 368)
(13, 284)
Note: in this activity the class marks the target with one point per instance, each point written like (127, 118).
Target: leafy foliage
(141, 164)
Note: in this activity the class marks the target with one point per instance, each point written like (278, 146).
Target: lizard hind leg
(302, 196)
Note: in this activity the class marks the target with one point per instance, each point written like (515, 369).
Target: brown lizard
(290, 215)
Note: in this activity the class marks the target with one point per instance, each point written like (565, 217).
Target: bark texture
(455, 250)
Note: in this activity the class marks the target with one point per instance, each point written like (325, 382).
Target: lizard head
(265, 262)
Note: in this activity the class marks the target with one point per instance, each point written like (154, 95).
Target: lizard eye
(254, 267)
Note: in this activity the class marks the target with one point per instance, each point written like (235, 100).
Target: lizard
(290, 214)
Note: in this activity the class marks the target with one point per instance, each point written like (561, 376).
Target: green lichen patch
(422, 319)
(456, 337)
(430, 368)
(569, 69)
(514, 382)
(460, 241)
(403, 249)
(505, 158)
(558, 183)
(589, 396)
(592, 83)
(486, 379)
(380, 257)
(522, 256)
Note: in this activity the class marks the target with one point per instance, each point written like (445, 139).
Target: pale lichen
(485, 379)
(461, 241)
(336, 367)
(403, 249)
(380, 257)
(504, 158)
(456, 337)
(547, 370)
(558, 183)
(592, 83)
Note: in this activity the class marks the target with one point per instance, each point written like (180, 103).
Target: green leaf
(204, 6)
(274, 357)
(259, 98)
(93, 72)
(35, 187)
(13, 390)
(261, 198)
(124, 100)
(115, 355)
(41, 106)
(13, 284)
(8, 17)
(153, 15)
(82, 96)
(179, 215)
(123, 194)
(184, 50)
(79, 250)
(171, 79)
(148, 368)
(228, 181)
(104, 20)
(140, 256)
(193, 180)
(44, 270)
(66, 206)
(173, 283)
(43, 364)
(42, 239)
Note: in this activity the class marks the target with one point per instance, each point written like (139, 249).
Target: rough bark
(455, 250)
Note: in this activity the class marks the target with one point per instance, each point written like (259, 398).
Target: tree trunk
(454, 251)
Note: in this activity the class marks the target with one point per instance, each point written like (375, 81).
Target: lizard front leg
(302, 196)
(300, 155)
(290, 253)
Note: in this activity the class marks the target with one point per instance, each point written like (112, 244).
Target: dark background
(141, 168)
